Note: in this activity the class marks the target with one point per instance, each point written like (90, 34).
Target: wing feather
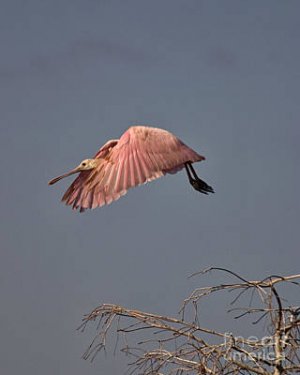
(119, 176)
(145, 167)
(139, 175)
(131, 182)
(125, 174)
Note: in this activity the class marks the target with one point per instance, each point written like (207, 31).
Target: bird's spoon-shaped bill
(56, 179)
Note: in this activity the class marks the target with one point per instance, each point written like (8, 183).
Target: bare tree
(185, 346)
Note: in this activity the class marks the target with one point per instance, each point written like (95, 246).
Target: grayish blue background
(224, 77)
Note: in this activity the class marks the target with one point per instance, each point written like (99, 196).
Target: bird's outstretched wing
(142, 154)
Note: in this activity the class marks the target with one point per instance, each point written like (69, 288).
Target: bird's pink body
(142, 154)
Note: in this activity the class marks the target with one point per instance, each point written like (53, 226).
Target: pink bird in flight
(142, 154)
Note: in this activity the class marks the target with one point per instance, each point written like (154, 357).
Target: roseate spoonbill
(142, 154)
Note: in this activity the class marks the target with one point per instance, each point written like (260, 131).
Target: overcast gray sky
(224, 77)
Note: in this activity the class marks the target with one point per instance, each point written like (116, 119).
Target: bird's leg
(191, 179)
(195, 181)
(193, 171)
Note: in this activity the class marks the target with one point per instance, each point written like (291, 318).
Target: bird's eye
(83, 164)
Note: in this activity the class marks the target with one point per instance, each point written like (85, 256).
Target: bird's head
(85, 165)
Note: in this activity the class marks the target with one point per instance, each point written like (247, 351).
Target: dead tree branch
(178, 346)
